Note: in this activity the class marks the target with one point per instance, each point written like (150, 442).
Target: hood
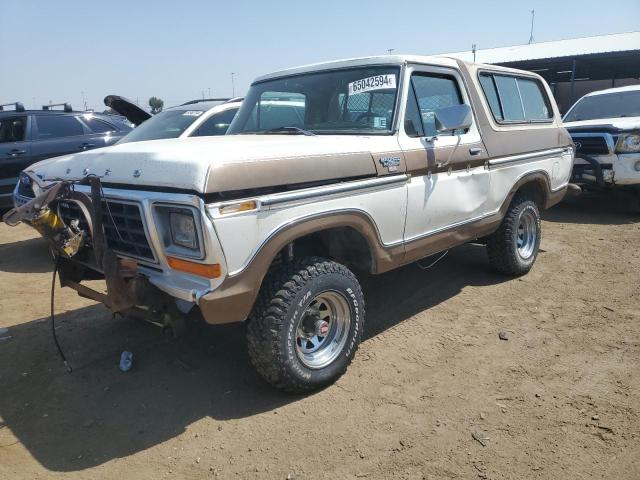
(127, 109)
(607, 124)
(219, 164)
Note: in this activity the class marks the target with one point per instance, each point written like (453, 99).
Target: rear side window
(533, 100)
(515, 99)
(509, 96)
(98, 126)
(58, 126)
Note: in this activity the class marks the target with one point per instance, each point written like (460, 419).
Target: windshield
(167, 124)
(350, 101)
(608, 105)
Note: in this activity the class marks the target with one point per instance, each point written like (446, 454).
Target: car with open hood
(327, 170)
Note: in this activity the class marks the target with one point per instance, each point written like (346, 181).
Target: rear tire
(306, 325)
(513, 248)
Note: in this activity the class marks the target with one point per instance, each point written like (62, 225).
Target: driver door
(450, 182)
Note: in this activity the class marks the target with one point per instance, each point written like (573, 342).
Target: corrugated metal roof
(617, 42)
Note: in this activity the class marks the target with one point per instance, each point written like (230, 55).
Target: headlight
(628, 143)
(183, 230)
(180, 230)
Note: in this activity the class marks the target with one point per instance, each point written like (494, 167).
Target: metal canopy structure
(605, 57)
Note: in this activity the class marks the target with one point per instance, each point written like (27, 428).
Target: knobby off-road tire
(306, 325)
(513, 248)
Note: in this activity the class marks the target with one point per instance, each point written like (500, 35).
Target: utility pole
(389, 50)
(473, 49)
(84, 102)
(233, 88)
(533, 18)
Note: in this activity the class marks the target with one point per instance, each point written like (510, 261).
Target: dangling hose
(53, 318)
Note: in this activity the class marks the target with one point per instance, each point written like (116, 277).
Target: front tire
(306, 325)
(513, 248)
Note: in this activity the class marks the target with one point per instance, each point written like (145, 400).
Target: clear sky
(57, 49)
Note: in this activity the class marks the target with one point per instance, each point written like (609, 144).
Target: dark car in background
(28, 136)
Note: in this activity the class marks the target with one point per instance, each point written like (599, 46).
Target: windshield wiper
(293, 130)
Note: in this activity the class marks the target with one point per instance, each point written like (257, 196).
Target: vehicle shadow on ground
(26, 256)
(97, 413)
(596, 208)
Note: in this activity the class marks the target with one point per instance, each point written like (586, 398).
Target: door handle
(475, 151)
(84, 146)
(15, 152)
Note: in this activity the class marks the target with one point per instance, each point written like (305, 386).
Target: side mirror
(457, 117)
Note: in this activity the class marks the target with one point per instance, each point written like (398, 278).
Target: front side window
(350, 101)
(514, 99)
(12, 129)
(58, 126)
(428, 94)
(606, 105)
(166, 124)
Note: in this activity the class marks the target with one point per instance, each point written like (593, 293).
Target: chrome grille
(123, 227)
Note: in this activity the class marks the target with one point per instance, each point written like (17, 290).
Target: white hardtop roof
(617, 42)
(361, 61)
(629, 88)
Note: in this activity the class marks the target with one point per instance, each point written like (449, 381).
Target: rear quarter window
(515, 99)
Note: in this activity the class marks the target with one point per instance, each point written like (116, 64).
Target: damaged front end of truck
(81, 250)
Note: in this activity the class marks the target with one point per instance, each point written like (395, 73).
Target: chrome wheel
(527, 234)
(323, 329)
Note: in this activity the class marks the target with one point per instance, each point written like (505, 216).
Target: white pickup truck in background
(605, 127)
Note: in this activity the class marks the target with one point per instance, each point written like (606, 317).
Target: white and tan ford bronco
(359, 165)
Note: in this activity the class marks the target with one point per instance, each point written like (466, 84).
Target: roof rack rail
(66, 106)
(17, 106)
(193, 102)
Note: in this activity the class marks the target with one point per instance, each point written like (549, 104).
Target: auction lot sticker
(377, 82)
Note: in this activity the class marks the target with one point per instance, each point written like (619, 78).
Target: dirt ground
(560, 399)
